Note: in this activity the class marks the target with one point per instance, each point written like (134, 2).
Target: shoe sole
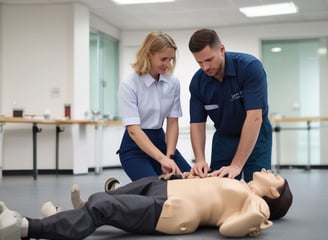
(110, 184)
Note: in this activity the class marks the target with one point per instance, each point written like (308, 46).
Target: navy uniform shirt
(244, 87)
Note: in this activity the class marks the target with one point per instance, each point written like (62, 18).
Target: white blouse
(143, 100)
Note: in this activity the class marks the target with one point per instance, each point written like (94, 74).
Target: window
(103, 74)
(292, 67)
(295, 80)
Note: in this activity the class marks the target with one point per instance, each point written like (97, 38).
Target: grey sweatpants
(134, 207)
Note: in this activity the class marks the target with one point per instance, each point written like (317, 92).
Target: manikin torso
(212, 201)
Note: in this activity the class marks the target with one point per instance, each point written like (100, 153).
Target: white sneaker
(48, 209)
(111, 184)
(76, 199)
(10, 223)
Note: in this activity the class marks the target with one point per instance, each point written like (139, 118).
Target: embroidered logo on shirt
(236, 96)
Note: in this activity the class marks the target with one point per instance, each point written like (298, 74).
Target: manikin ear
(274, 192)
(266, 224)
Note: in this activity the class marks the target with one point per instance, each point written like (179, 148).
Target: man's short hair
(202, 38)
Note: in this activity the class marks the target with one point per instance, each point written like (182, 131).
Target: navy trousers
(225, 147)
(138, 164)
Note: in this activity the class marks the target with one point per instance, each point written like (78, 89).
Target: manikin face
(211, 61)
(161, 62)
(266, 183)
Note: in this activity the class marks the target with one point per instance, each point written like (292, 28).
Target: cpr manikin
(151, 205)
(213, 201)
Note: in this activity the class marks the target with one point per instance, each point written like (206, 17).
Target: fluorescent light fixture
(269, 10)
(140, 1)
(322, 51)
(276, 49)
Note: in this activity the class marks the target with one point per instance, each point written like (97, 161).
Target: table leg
(277, 130)
(98, 149)
(35, 131)
(308, 123)
(1, 143)
(58, 131)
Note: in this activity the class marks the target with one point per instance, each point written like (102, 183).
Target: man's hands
(201, 169)
(230, 171)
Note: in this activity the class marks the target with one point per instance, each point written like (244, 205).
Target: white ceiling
(190, 14)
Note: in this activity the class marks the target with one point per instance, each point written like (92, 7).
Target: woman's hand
(169, 166)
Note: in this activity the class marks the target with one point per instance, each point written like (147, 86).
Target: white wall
(45, 64)
(37, 57)
(1, 127)
(101, 25)
(0, 63)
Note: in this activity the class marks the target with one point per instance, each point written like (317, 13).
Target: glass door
(103, 75)
(294, 81)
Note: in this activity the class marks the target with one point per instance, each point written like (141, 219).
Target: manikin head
(275, 190)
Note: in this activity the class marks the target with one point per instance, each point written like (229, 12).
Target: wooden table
(277, 128)
(36, 121)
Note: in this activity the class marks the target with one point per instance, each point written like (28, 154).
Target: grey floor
(307, 218)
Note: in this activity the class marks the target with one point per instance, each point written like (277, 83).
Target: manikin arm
(252, 218)
(247, 224)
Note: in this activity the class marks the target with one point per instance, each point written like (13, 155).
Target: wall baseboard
(24, 172)
(301, 167)
(40, 172)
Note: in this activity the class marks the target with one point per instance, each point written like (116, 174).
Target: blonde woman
(147, 98)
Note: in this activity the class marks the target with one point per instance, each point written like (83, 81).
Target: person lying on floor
(151, 205)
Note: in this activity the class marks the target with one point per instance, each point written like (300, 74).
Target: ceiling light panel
(269, 10)
(140, 1)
